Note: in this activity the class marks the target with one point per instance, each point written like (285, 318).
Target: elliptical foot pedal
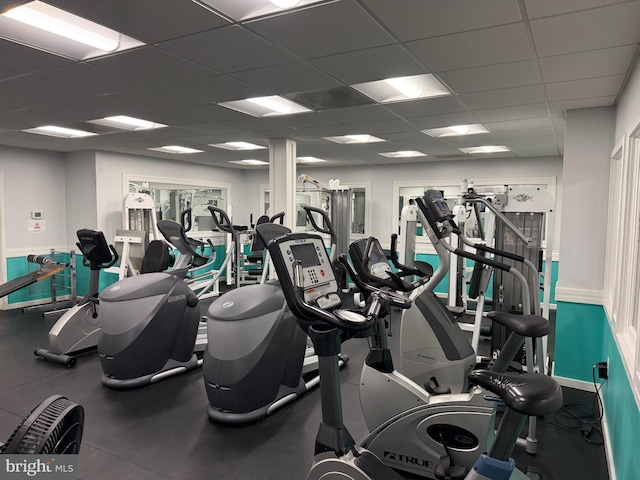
(433, 387)
(452, 472)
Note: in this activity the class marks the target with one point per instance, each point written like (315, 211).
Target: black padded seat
(531, 394)
(157, 257)
(533, 326)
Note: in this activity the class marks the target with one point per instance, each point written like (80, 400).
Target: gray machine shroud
(132, 345)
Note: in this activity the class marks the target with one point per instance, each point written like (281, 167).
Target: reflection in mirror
(171, 199)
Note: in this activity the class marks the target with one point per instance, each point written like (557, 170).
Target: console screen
(306, 253)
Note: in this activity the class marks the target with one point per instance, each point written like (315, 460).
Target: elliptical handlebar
(222, 221)
(327, 229)
(278, 216)
(186, 219)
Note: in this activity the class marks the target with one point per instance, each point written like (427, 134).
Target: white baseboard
(607, 447)
(577, 384)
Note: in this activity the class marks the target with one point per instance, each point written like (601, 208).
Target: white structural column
(282, 179)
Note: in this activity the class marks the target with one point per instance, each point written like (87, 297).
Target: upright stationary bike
(77, 331)
(312, 294)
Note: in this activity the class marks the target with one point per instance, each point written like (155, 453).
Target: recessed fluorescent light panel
(351, 139)
(486, 149)
(456, 130)
(249, 161)
(309, 160)
(48, 28)
(271, 106)
(176, 149)
(127, 123)
(402, 89)
(237, 146)
(404, 154)
(245, 9)
(61, 132)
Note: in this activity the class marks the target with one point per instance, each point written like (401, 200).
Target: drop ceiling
(514, 66)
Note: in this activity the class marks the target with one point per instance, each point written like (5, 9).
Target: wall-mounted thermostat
(37, 215)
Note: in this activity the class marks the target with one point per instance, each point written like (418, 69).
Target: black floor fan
(53, 427)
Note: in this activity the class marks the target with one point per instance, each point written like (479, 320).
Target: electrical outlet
(603, 370)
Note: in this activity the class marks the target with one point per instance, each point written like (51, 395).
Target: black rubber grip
(481, 259)
(499, 253)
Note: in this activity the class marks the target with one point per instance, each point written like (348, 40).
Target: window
(622, 273)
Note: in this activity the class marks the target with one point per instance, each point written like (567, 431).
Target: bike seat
(525, 325)
(532, 394)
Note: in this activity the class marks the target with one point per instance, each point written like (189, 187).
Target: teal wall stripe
(584, 337)
(18, 266)
(579, 331)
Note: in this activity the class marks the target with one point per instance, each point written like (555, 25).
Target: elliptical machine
(78, 329)
(312, 294)
(150, 323)
(256, 356)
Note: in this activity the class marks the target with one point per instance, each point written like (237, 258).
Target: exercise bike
(312, 294)
(78, 329)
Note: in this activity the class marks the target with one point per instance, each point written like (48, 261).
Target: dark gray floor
(162, 431)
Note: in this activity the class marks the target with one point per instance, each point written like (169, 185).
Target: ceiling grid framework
(514, 67)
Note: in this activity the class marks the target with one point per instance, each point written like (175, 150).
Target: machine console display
(319, 282)
(437, 206)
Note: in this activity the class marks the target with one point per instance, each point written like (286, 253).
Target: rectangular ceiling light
(266, 106)
(456, 130)
(486, 149)
(402, 89)
(246, 9)
(61, 132)
(127, 123)
(249, 161)
(404, 154)
(351, 139)
(309, 160)
(237, 146)
(176, 149)
(48, 28)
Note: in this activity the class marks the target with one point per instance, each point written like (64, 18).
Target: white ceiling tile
(288, 78)
(228, 49)
(526, 123)
(489, 46)
(492, 77)
(415, 20)
(512, 113)
(588, 30)
(503, 98)
(587, 88)
(548, 8)
(594, 63)
(154, 65)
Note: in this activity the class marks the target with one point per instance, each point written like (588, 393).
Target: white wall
(628, 111)
(81, 200)
(589, 139)
(33, 180)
